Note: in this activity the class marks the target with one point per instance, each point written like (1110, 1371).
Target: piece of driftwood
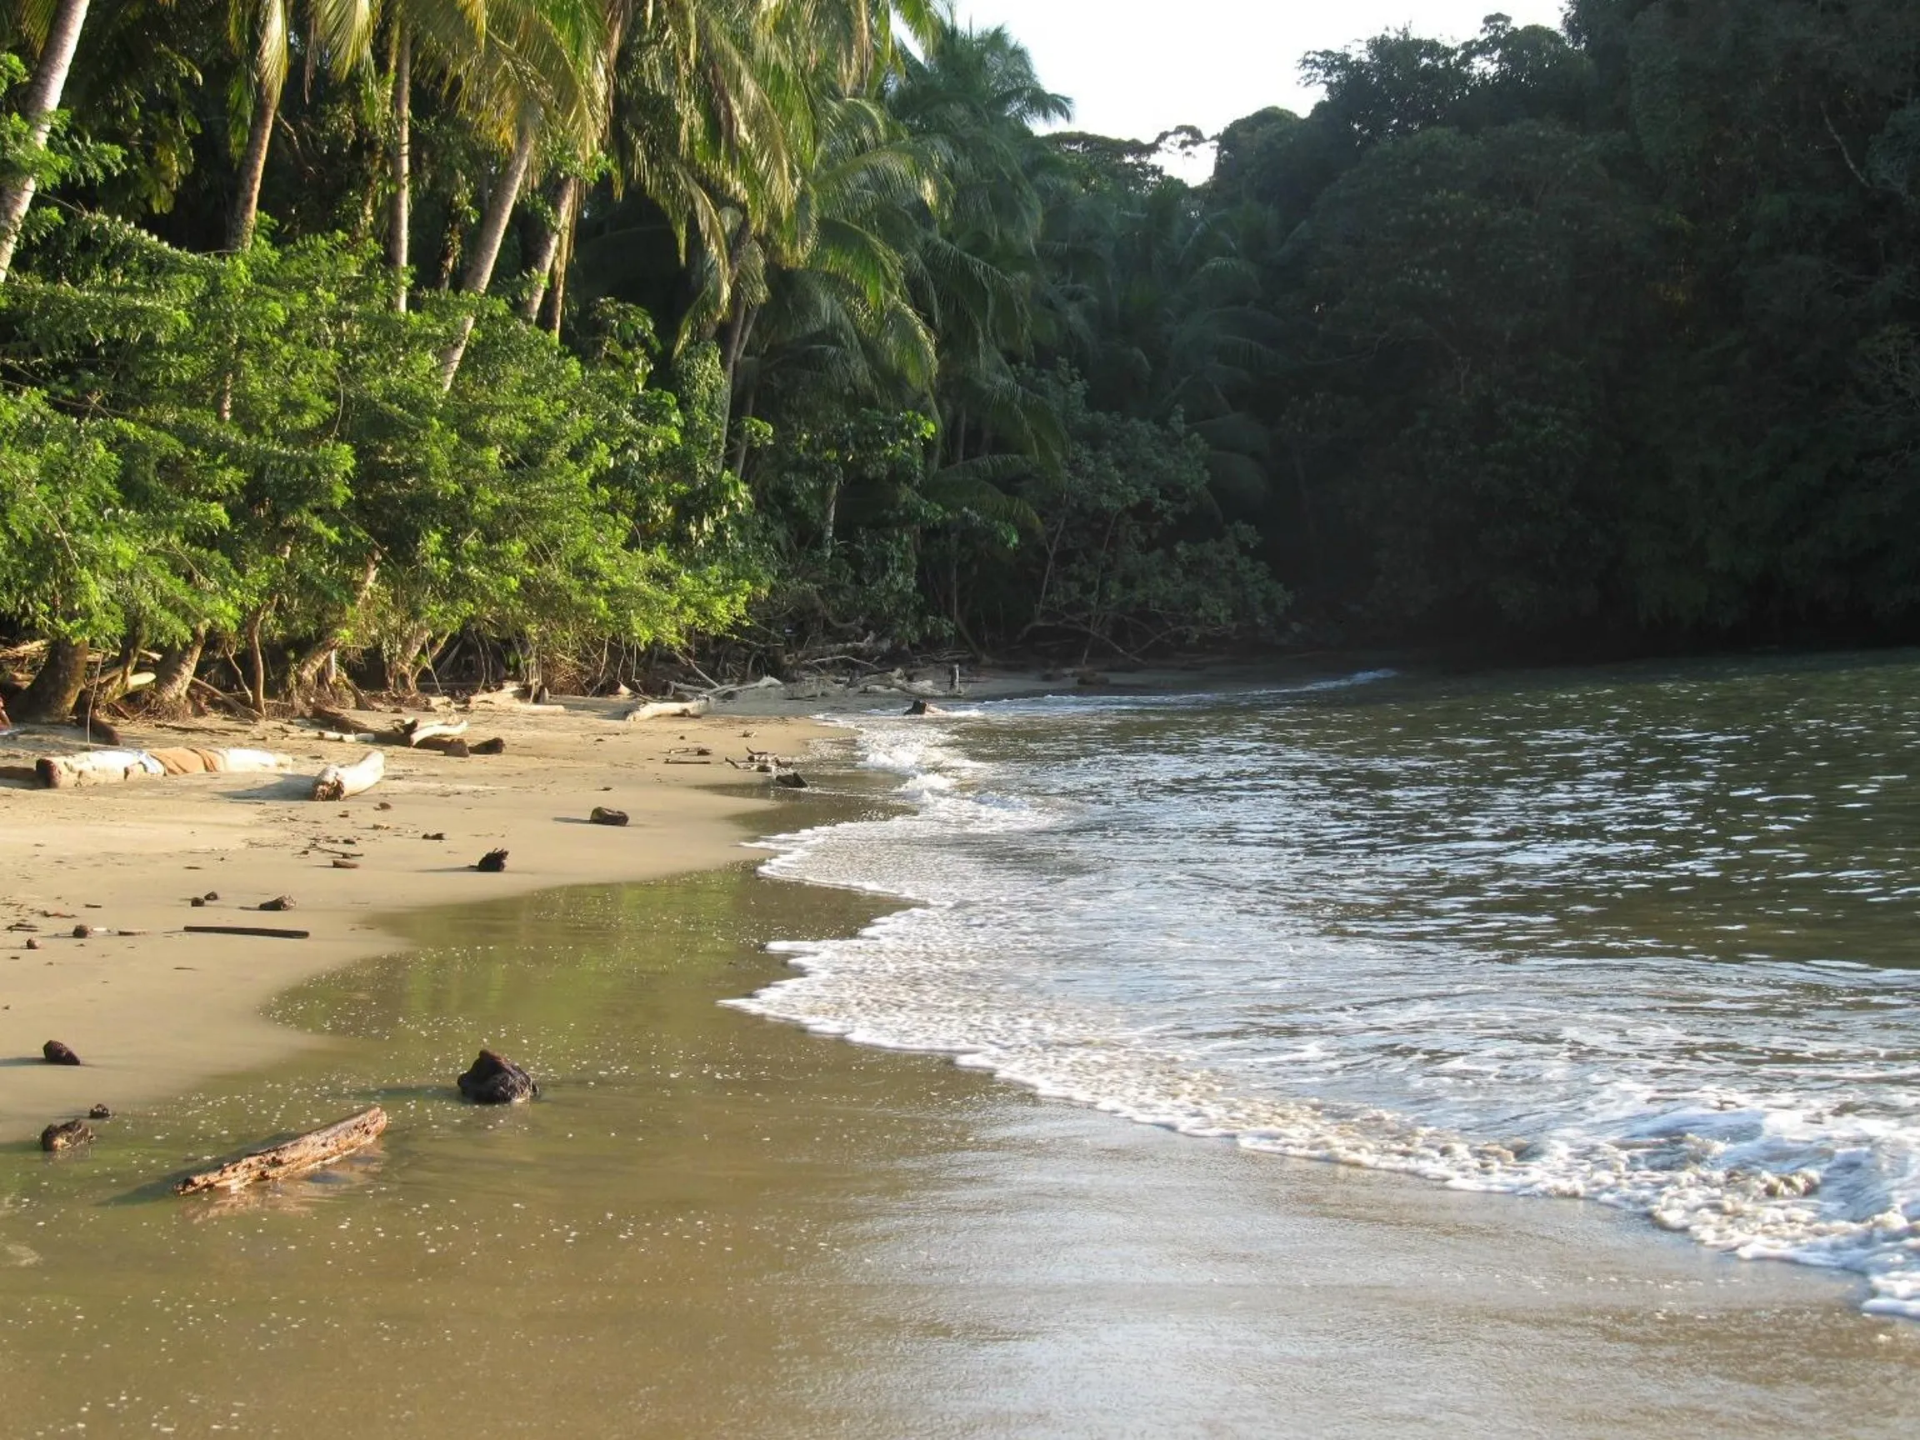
(668, 710)
(417, 732)
(603, 816)
(446, 745)
(103, 767)
(337, 782)
(297, 1156)
(58, 1054)
(66, 1136)
(495, 1080)
(492, 863)
(264, 931)
(336, 719)
(350, 737)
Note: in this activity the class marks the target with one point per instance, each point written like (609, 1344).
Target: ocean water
(1645, 936)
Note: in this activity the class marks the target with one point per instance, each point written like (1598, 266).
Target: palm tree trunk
(400, 213)
(547, 254)
(42, 99)
(493, 230)
(253, 168)
(557, 296)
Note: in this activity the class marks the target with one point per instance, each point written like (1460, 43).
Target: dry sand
(159, 1011)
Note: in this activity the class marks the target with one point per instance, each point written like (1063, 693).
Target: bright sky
(1137, 67)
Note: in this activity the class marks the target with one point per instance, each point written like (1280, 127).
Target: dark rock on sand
(494, 1080)
(65, 1137)
(58, 1054)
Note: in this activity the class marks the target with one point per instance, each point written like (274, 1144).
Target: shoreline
(156, 1011)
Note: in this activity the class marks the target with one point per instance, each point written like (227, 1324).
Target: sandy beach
(156, 1012)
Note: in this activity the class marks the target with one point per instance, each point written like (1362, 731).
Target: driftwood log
(667, 710)
(264, 931)
(297, 1156)
(416, 732)
(104, 767)
(337, 782)
(495, 1080)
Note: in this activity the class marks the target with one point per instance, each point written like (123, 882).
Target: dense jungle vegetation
(375, 333)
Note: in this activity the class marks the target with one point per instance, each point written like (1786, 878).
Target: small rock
(198, 902)
(65, 1137)
(346, 864)
(82, 932)
(279, 902)
(603, 816)
(58, 1054)
(493, 862)
(436, 835)
(32, 944)
(494, 1080)
(790, 780)
(495, 746)
(99, 1112)
(211, 896)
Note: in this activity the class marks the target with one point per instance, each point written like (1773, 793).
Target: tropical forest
(361, 340)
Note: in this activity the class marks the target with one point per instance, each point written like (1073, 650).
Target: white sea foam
(1111, 915)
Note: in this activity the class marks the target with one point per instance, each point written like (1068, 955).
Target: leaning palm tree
(261, 32)
(541, 75)
(59, 34)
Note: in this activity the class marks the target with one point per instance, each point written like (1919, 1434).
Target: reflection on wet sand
(712, 1225)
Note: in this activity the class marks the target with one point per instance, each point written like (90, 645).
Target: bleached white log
(337, 782)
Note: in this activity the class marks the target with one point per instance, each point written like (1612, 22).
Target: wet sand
(155, 1012)
(713, 1225)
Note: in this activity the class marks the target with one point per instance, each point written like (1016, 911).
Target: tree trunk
(256, 662)
(493, 230)
(42, 99)
(403, 660)
(400, 215)
(305, 673)
(557, 293)
(49, 700)
(175, 673)
(546, 254)
(253, 168)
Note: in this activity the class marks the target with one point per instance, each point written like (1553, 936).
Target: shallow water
(709, 1225)
(1641, 935)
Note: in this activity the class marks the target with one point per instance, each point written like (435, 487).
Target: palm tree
(541, 75)
(61, 39)
(450, 34)
(261, 32)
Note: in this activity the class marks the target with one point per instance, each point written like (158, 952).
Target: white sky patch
(1136, 68)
